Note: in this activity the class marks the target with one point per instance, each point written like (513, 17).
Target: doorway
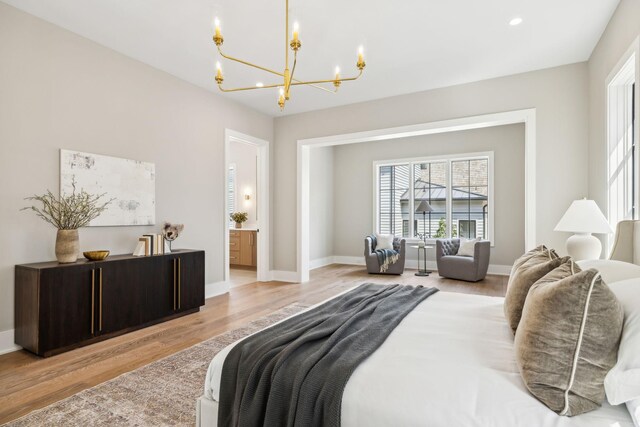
(247, 192)
(527, 116)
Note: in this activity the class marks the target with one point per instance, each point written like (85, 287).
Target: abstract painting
(131, 183)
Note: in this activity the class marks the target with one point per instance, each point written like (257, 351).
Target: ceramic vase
(67, 246)
(238, 225)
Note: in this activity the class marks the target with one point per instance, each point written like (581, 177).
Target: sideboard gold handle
(174, 283)
(100, 308)
(179, 274)
(93, 299)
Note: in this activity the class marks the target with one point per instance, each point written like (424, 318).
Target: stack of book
(150, 244)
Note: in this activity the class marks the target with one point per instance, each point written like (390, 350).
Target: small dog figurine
(171, 232)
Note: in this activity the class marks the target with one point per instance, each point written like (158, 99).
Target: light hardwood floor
(241, 276)
(28, 382)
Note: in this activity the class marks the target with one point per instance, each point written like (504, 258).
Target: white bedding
(449, 363)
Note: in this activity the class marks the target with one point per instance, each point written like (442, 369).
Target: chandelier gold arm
(287, 82)
(231, 58)
(259, 67)
(248, 88)
(313, 83)
(345, 79)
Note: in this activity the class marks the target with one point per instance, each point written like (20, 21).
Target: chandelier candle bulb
(281, 99)
(219, 77)
(295, 40)
(296, 31)
(336, 81)
(217, 37)
(216, 23)
(361, 64)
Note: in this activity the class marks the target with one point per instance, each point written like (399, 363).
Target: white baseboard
(321, 262)
(500, 270)
(6, 342)
(284, 276)
(349, 260)
(215, 289)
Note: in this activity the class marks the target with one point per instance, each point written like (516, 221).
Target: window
(435, 197)
(467, 228)
(470, 196)
(231, 191)
(393, 183)
(622, 145)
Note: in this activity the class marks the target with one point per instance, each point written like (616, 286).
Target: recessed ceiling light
(259, 84)
(515, 21)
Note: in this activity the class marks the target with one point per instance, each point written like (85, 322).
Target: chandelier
(287, 75)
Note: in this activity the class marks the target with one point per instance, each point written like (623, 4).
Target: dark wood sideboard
(59, 307)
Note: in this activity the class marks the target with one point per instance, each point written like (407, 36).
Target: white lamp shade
(584, 216)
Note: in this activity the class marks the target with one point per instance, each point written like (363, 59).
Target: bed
(450, 362)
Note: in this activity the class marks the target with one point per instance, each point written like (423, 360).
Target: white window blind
(231, 191)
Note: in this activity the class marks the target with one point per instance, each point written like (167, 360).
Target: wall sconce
(247, 197)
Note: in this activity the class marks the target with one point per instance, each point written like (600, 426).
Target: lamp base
(583, 246)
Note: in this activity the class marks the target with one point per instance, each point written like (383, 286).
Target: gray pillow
(542, 249)
(568, 339)
(527, 270)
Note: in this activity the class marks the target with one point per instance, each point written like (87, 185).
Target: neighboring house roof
(439, 192)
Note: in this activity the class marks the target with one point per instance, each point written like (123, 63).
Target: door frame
(526, 116)
(262, 193)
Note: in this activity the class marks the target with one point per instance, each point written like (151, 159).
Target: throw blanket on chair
(386, 257)
(294, 373)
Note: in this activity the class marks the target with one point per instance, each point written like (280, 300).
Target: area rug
(161, 393)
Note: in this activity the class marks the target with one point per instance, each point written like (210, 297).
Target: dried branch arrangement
(70, 211)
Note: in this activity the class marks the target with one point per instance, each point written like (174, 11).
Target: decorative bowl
(95, 255)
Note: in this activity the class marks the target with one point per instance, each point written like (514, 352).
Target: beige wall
(620, 33)
(59, 90)
(559, 95)
(354, 186)
(321, 203)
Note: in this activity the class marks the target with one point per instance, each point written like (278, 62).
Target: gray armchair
(470, 269)
(373, 267)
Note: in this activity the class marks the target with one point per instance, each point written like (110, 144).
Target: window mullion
(411, 202)
(448, 202)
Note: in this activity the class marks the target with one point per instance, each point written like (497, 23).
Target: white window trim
(626, 71)
(449, 158)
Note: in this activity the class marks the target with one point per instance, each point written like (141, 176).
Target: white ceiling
(410, 45)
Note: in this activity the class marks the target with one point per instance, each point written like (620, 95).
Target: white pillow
(385, 241)
(467, 247)
(634, 409)
(610, 270)
(622, 383)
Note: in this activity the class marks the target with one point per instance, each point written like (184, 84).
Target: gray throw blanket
(386, 257)
(294, 373)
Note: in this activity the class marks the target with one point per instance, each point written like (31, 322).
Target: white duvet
(449, 363)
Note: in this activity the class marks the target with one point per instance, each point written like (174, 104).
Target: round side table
(422, 249)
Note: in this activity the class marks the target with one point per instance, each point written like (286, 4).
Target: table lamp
(583, 218)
